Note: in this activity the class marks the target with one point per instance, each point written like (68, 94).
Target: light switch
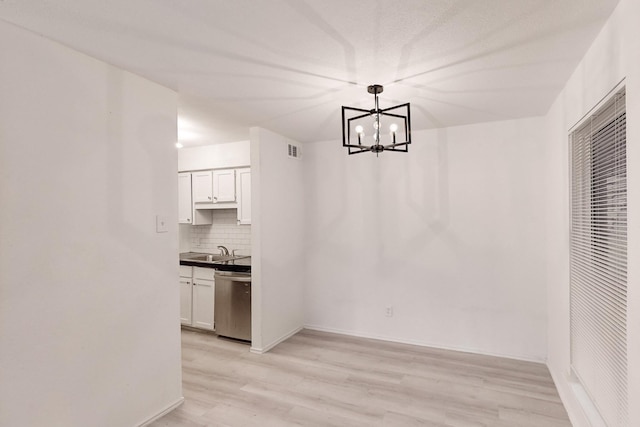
(162, 225)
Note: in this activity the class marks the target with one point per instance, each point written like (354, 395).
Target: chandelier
(378, 129)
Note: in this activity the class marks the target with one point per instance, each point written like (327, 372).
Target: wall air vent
(293, 151)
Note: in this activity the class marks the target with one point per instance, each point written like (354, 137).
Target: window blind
(598, 242)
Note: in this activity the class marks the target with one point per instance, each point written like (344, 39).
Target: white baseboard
(163, 412)
(276, 342)
(422, 343)
(579, 407)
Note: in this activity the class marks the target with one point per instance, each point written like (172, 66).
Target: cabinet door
(202, 187)
(224, 185)
(244, 195)
(185, 208)
(185, 300)
(203, 303)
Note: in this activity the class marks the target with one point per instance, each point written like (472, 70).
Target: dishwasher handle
(233, 277)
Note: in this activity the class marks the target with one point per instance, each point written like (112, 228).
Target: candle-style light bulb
(393, 128)
(360, 132)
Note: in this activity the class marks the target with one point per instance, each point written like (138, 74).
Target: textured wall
(89, 331)
(448, 235)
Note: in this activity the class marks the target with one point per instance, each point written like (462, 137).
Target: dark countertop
(240, 264)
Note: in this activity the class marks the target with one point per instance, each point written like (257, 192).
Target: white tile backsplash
(224, 231)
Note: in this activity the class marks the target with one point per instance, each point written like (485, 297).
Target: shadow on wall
(377, 207)
(412, 201)
(432, 203)
(372, 219)
(129, 213)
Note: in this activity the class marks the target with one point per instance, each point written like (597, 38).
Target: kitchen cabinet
(187, 188)
(185, 206)
(203, 304)
(224, 186)
(202, 184)
(203, 294)
(186, 295)
(201, 192)
(243, 192)
(201, 217)
(213, 187)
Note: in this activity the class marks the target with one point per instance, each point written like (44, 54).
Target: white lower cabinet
(197, 295)
(186, 291)
(203, 303)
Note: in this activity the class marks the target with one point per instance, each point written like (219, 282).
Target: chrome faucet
(223, 250)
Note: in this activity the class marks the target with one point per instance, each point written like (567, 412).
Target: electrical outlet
(389, 311)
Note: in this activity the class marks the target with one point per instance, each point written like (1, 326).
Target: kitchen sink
(237, 263)
(211, 258)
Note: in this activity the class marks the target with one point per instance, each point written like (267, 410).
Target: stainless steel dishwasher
(232, 311)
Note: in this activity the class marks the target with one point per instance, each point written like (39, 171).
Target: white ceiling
(289, 65)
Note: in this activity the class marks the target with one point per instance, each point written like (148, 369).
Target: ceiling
(289, 65)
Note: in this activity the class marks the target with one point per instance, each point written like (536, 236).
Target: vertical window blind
(598, 242)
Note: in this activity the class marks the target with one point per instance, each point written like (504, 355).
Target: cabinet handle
(215, 199)
(208, 197)
(188, 219)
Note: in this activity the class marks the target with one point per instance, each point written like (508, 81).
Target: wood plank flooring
(322, 379)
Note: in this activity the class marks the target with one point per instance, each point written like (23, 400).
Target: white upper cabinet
(186, 196)
(243, 190)
(185, 208)
(204, 191)
(202, 183)
(224, 186)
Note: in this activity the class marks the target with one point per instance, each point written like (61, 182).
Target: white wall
(278, 230)
(88, 290)
(613, 56)
(448, 235)
(216, 156)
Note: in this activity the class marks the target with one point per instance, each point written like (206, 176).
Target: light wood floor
(322, 379)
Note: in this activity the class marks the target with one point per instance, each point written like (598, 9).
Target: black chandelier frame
(377, 147)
